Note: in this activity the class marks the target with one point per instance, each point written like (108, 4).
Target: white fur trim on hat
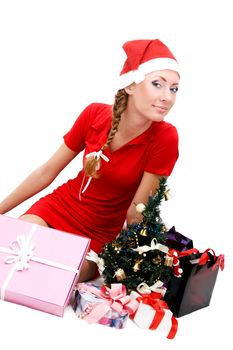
(138, 75)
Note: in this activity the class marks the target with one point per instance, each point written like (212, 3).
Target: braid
(119, 107)
(91, 164)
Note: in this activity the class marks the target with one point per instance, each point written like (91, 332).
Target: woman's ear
(130, 89)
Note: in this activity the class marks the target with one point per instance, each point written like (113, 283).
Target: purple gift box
(177, 241)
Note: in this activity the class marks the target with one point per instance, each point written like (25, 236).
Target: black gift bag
(193, 290)
(177, 241)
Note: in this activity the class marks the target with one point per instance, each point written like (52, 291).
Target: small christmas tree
(139, 255)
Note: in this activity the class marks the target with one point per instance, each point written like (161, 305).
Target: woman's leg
(88, 269)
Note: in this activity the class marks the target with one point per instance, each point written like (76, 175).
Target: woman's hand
(148, 186)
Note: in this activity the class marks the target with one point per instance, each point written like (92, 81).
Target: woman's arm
(148, 186)
(38, 179)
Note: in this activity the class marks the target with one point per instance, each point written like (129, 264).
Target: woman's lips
(160, 108)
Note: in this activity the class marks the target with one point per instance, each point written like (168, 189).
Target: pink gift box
(39, 266)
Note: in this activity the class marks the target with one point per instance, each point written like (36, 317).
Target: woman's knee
(88, 271)
(34, 219)
(89, 268)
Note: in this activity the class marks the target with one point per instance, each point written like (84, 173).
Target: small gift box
(103, 305)
(39, 266)
(177, 241)
(193, 290)
(153, 313)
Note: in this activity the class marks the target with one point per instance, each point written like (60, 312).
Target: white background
(58, 56)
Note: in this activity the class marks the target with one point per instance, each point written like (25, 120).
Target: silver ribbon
(154, 245)
(22, 253)
(143, 288)
(92, 256)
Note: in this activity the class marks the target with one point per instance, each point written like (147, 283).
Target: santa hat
(143, 57)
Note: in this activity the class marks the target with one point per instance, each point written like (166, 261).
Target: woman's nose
(165, 94)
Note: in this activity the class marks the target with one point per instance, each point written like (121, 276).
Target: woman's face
(153, 98)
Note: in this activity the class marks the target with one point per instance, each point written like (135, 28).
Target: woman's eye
(174, 89)
(156, 83)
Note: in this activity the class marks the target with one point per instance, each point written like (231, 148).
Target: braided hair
(92, 164)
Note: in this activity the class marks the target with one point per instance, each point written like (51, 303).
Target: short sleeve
(163, 152)
(76, 136)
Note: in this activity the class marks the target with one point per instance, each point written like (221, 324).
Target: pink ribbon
(219, 262)
(115, 298)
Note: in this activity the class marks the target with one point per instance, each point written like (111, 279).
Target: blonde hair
(92, 163)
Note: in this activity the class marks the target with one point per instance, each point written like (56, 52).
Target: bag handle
(187, 252)
(205, 256)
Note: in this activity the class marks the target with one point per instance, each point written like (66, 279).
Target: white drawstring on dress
(97, 156)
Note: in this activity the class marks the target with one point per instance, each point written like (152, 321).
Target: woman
(127, 147)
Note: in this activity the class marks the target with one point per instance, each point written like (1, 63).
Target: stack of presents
(39, 268)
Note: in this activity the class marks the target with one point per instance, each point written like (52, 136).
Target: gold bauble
(140, 207)
(136, 267)
(143, 232)
(120, 275)
(157, 260)
(167, 195)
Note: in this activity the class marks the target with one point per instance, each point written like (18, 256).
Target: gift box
(106, 306)
(39, 266)
(177, 241)
(193, 290)
(154, 313)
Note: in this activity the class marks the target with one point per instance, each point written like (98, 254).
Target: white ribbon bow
(143, 288)
(22, 253)
(97, 156)
(154, 245)
(92, 256)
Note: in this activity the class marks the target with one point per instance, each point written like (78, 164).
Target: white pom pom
(140, 207)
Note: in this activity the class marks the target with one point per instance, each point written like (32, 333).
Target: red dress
(100, 211)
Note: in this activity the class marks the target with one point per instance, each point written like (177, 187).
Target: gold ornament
(115, 245)
(164, 229)
(120, 275)
(167, 195)
(140, 207)
(143, 232)
(131, 243)
(136, 266)
(157, 260)
(168, 261)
